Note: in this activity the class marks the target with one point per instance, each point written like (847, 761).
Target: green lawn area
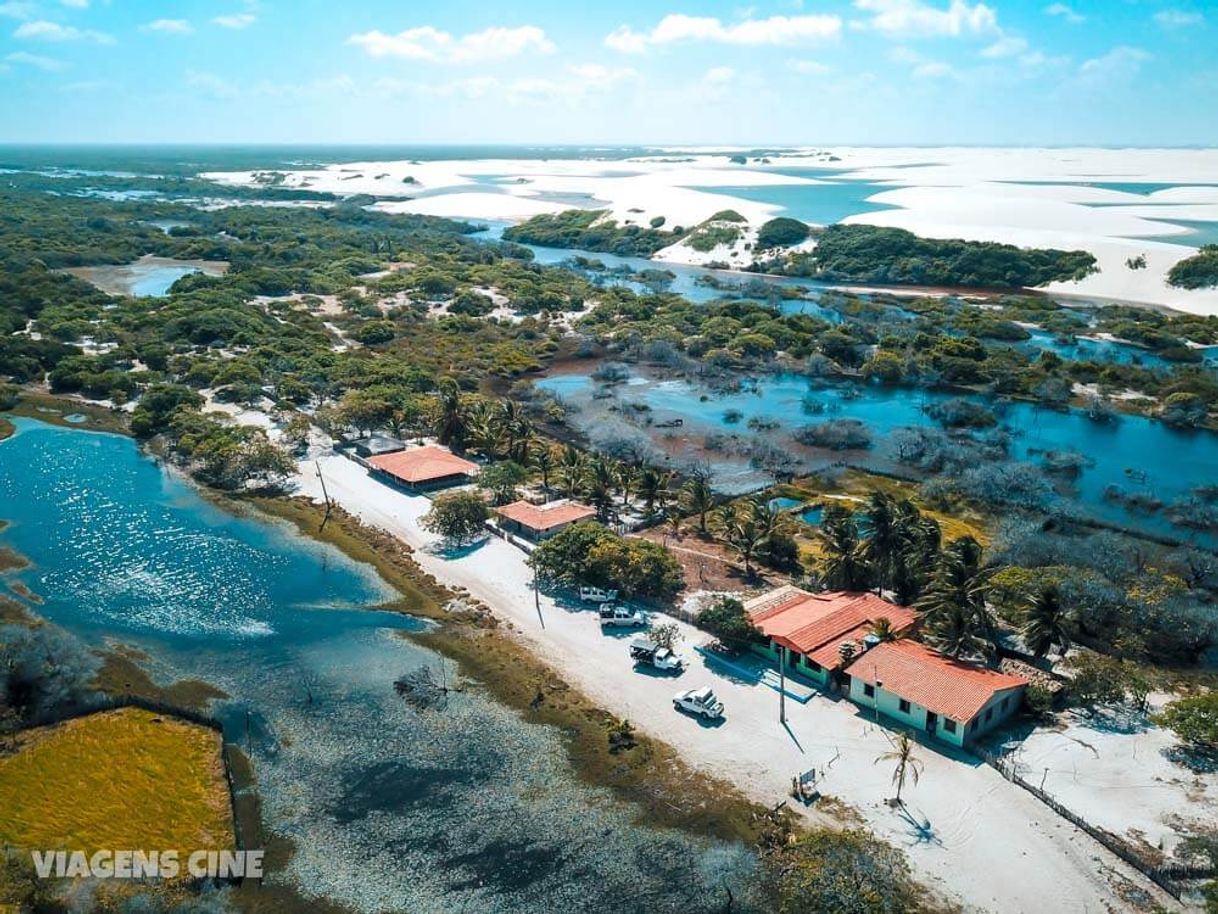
(124, 779)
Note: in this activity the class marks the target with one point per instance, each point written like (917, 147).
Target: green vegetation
(1194, 719)
(865, 253)
(135, 780)
(459, 517)
(588, 553)
(843, 871)
(1200, 271)
(782, 232)
(730, 624)
(709, 235)
(589, 230)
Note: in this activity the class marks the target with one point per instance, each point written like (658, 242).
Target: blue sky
(882, 72)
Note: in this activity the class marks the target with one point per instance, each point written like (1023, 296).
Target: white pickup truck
(597, 595)
(649, 653)
(699, 701)
(621, 617)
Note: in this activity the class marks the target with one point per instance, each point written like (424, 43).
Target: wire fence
(1167, 876)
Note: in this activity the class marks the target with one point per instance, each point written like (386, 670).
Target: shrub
(1195, 720)
(459, 517)
(589, 553)
(781, 232)
(728, 622)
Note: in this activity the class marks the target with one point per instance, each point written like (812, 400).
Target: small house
(424, 468)
(539, 522)
(951, 700)
(375, 445)
(819, 633)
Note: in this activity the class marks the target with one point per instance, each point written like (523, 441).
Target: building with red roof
(952, 700)
(539, 522)
(426, 467)
(812, 630)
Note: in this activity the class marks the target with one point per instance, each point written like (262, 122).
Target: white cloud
(169, 26)
(1006, 46)
(1065, 12)
(430, 44)
(1121, 63)
(47, 64)
(1175, 19)
(18, 10)
(44, 30)
(919, 19)
(211, 84)
(235, 20)
(718, 76)
(776, 30)
(808, 67)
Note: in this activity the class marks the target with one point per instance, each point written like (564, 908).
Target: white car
(597, 595)
(699, 701)
(620, 616)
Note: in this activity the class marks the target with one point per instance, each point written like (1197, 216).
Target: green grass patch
(117, 779)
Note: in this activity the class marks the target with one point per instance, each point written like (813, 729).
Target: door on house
(932, 721)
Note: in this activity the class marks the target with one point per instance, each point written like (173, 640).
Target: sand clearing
(971, 835)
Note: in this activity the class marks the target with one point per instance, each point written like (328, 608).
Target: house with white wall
(951, 700)
(806, 631)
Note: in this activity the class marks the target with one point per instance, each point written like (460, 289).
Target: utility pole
(875, 699)
(782, 683)
(324, 494)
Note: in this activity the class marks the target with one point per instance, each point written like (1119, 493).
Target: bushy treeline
(588, 230)
(866, 253)
(1197, 272)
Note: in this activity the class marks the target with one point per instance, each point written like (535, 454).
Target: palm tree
(653, 487)
(483, 432)
(843, 565)
(1046, 622)
(697, 498)
(542, 460)
(572, 470)
(738, 528)
(452, 419)
(602, 476)
(884, 538)
(515, 430)
(883, 629)
(908, 765)
(954, 614)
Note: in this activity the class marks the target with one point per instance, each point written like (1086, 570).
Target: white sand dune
(1027, 197)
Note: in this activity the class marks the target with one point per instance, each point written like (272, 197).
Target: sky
(790, 72)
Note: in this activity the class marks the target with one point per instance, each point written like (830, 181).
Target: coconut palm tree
(572, 471)
(738, 528)
(843, 564)
(697, 498)
(908, 765)
(1046, 622)
(884, 537)
(883, 629)
(953, 609)
(452, 414)
(542, 459)
(650, 484)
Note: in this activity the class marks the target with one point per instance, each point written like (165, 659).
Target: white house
(952, 700)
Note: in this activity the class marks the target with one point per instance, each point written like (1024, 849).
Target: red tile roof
(424, 464)
(548, 516)
(816, 625)
(950, 688)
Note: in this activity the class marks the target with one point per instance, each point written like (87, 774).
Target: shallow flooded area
(148, 276)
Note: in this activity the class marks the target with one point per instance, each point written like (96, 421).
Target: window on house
(972, 724)
(949, 725)
(869, 690)
(812, 665)
(988, 714)
(1004, 702)
(904, 706)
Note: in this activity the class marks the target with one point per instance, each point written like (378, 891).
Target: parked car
(621, 617)
(597, 595)
(647, 652)
(699, 701)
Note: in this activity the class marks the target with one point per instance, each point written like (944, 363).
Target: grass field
(125, 779)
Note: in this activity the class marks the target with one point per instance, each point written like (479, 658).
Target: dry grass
(125, 779)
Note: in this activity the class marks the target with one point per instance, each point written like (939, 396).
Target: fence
(1166, 876)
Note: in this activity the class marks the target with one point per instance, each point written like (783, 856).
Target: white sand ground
(971, 193)
(1113, 771)
(985, 842)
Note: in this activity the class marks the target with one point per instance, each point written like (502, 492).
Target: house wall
(966, 731)
(797, 663)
